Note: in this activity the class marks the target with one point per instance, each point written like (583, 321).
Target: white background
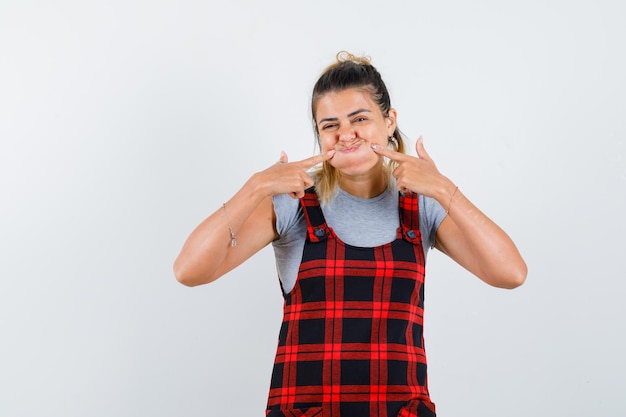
(123, 124)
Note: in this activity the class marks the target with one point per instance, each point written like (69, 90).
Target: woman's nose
(346, 133)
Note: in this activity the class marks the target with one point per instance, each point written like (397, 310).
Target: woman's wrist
(446, 192)
(256, 188)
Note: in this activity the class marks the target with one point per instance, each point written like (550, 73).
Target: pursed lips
(351, 147)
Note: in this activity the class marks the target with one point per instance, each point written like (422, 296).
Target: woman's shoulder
(288, 212)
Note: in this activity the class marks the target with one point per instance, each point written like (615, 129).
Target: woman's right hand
(290, 178)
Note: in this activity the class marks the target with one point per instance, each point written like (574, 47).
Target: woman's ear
(390, 120)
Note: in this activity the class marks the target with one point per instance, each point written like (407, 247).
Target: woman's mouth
(349, 147)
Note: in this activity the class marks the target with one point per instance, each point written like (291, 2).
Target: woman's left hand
(417, 174)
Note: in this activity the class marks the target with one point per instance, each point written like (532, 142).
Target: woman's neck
(368, 185)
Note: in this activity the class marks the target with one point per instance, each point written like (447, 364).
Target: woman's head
(352, 77)
(350, 71)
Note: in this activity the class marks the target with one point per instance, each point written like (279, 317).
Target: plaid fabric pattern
(351, 342)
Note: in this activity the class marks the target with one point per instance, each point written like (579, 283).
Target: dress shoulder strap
(408, 206)
(317, 229)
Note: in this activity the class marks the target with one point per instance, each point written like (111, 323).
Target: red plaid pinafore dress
(351, 342)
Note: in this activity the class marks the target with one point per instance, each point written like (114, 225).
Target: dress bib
(351, 342)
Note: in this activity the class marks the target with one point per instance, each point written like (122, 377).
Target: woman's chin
(353, 164)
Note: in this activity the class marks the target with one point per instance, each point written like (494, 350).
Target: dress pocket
(417, 408)
(310, 412)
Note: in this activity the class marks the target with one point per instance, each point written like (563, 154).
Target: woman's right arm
(207, 254)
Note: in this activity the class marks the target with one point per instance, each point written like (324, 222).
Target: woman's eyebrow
(354, 113)
(334, 119)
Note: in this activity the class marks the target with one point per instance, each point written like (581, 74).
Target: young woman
(350, 239)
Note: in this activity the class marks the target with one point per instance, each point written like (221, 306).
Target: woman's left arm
(466, 234)
(478, 244)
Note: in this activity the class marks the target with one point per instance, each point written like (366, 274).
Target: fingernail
(374, 146)
(331, 152)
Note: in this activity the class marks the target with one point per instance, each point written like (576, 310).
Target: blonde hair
(350, 71)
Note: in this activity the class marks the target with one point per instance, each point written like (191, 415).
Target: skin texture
(353, 136)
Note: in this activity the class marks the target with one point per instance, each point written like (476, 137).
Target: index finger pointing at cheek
(314, 160)
(391, 154)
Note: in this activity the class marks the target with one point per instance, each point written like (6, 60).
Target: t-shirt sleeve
(431, 216)
(288, 211)
(291, 229)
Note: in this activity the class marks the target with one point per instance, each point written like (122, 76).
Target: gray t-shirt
(362, 222)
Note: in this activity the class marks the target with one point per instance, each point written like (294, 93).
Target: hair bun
(345, 56)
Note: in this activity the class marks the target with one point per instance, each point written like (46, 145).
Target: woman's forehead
(344, 102)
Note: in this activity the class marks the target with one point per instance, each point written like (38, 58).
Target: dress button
(319, 232)
(411, 234)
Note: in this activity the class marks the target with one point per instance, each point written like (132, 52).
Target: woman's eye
(326, 127)
(360, 119)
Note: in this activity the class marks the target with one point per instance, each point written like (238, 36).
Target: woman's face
(349, 121)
